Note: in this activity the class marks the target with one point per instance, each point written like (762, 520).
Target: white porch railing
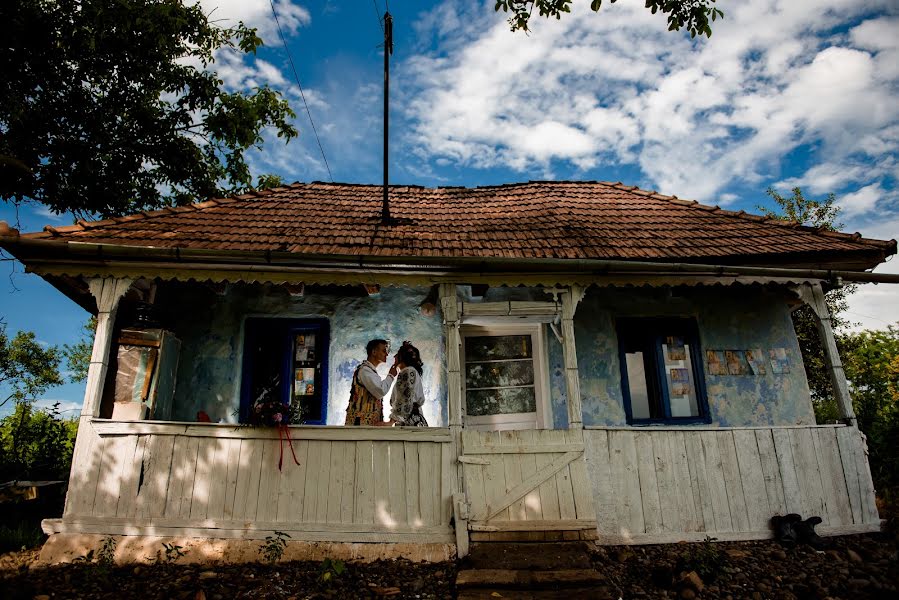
(211, 480)
(657, 485)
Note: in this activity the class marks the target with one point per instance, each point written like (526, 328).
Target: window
(504, 377)
(286, 360)
(661, 371)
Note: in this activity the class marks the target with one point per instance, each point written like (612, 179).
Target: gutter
(33, 251)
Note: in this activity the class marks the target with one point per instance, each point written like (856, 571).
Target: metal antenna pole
(388, 50)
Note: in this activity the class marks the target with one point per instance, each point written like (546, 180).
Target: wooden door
(526, 480)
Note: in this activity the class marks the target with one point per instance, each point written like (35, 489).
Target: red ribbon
(284, 431)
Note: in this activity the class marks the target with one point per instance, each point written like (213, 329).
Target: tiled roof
(597, 220)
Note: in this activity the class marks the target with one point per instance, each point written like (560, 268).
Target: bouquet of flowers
(271, 413)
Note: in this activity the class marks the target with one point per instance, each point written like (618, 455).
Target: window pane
(679, 375)
(501, 401)
(636, 381)
(497, 347)
(499, 374)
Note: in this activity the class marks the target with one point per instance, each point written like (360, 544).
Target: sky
(785, 93)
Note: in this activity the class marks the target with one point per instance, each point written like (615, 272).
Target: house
(602, 362)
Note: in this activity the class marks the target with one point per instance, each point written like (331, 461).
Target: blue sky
(784, 93)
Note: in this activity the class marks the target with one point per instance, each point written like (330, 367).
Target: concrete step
(520, 579)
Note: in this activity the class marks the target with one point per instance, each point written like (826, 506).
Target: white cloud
(860, 201)
(616, 88)
(258, 14)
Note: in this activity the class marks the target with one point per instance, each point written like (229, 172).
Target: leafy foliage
(871, 360)
(822, 214)
(172, 552)
(78, 355)
(273, 547)
(36, 444)
(110, 106)
(695, 16)
(331, 569)
(27, 369)
(705, 557)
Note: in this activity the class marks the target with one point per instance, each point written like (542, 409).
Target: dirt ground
(862, 566)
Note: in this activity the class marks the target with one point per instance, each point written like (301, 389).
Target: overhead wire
(302, 95)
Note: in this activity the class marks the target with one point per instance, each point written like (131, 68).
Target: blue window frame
(286, 360)
(661, 371)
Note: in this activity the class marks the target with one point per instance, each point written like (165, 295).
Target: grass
(20, 536)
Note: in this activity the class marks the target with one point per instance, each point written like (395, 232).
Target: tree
(871, 360)
(109, 106)
(822, 214)
(693, 15)
(78, 355)
(27, 369)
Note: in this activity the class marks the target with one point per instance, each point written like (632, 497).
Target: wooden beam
(570, 300)
(813, 295)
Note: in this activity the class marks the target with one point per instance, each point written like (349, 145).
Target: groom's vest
(363, 408)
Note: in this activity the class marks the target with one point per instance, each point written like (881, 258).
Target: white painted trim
(106, 427)
(543, 414)
(689, 428)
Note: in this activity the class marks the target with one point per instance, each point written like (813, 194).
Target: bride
(408, 394)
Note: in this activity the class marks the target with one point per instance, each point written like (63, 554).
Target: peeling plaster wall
(209, 371)
(736, 317)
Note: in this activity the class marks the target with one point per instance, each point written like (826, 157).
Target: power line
(302, 95)
(378, 15)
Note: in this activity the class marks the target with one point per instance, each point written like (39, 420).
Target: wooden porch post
(570, 300)
(449, 306)
(813, 295)
(107, 291)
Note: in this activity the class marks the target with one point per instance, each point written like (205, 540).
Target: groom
(368, 389)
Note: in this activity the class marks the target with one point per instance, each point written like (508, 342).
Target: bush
(36, 444)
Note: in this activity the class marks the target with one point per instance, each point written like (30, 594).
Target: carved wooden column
(570, 300)
(813, 295)
(450, 307)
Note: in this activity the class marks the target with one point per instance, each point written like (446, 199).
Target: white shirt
(408, 390)
(368, 376)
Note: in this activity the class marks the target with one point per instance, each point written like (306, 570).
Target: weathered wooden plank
(218, 479)
(699, 481)
(86, 466)
(363, 509)
(232, 456)
(495, 486)
(683, 484)
(580, 483)
(753, 480)
(312, 483)
(130, 478)
(664, 467)
(115, 456)
(429, 481)
(521, 489)
(858, 449)
(549, 493)
(808, 473)
(246, 495)
(175, 484)
(736, 499)
(845, 443)
(206, 459)
(649, 488)
(599, 470)
(717, 486)
(835, 492)
(512, 466)
(774, 487)
(381, 476)
(784, 451)
(336, 475)
(448, 482)
(189, 476)
(413, 508)
(269, 482)
(396, 468)
(524, 448)
(533, 509)
(158, 461)
(324, 476)
(348, 495)
(626, 483)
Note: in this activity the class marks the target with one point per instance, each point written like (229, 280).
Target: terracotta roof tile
(535, 220)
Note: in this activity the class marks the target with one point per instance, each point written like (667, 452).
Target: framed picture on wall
(736, 362)
(756, 360)
(715, 360)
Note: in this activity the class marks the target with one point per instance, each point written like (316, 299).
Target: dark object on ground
(790, 530)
